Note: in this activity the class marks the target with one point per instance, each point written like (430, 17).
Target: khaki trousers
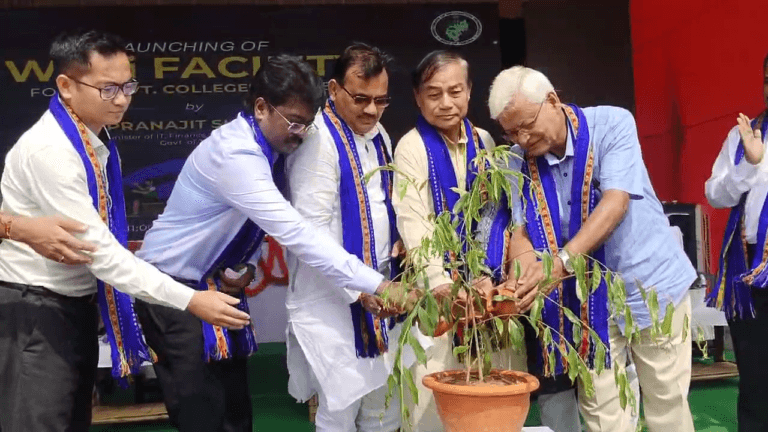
(664, 373)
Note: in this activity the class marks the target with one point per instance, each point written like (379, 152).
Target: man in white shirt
(327, 354)
(442, 87)
(740, 181)
(48, 321)
(224, 201)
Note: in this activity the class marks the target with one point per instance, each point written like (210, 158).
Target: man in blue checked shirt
(596, 199)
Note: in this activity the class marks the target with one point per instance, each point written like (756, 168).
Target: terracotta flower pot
(482, 407)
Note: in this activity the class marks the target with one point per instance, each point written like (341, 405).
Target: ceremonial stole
(219, 342)
(442, 176)
(543, 226)
(358, 236)
(498, 241)
(127, 346)
(732, 292)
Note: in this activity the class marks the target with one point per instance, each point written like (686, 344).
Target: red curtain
(697, 64)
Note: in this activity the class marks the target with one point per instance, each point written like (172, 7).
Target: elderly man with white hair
(588, 192)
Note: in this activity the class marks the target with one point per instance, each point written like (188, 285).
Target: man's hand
(527, 286)
(234, 281)
(752, 139)
(398, 250)
(372, 303)
(218, 309)
(50, 237)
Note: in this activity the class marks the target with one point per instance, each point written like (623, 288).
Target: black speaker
(693, 221)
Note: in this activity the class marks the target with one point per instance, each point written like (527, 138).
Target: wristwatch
(565, 257)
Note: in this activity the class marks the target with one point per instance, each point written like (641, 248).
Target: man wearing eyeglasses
(223, 204)
(589, 169)
(437, 153)
(337, 345)
(66, 166)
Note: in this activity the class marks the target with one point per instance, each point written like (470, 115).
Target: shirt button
(565, 174)
(569, 202)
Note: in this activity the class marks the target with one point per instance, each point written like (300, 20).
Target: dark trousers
(48, 358)
(750, 343)
(199, 396)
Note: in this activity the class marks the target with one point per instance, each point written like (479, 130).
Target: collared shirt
(44, 175)
(318, 310)
(414, 209)
(642, 247)
(226, 180)
(729, 182)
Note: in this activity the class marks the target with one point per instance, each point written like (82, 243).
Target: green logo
(456, 28)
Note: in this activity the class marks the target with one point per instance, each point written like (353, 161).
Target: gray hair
(530, 83)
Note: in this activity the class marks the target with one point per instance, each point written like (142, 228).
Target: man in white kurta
(322, 356)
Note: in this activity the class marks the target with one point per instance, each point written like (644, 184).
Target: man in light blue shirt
(223, 203)
(625, 223)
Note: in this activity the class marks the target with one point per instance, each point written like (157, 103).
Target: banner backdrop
(194, 62)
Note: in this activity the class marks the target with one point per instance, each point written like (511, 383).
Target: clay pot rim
(531, 384)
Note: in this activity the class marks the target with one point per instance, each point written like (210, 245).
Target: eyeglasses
(297, 128)
(364, 101)
(109, 92)
(513, 136)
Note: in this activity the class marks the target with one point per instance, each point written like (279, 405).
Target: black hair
(71, 51)
(284, 78)
(432, 63)
(371, 60)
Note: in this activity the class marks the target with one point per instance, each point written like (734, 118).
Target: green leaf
(487, 364)
(547, 337)
(666, 326)
(461, 349)
(516, 333)
(402, 188)
(421, 356)
(518, 269)
(599, 358)
(629, 323)
(686, 325)
(643, 292)
(499, 326)
(427, 321)
(538, 305)
(546, 262)
(573, 364)
(552, 360)
(411, 385)
(597, 277)
(571, 316)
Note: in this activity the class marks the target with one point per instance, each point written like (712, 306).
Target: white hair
(530, 83)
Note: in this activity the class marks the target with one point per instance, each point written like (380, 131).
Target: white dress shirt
(729, 182)
(318, 309)
(44, 175)
(226, 180)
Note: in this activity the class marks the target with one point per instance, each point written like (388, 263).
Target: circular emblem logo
(456, 28)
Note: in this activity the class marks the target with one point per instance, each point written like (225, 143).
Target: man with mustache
(740, 181)
(328, 325)
(223, 204)
(67, 165)
(587, 192)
